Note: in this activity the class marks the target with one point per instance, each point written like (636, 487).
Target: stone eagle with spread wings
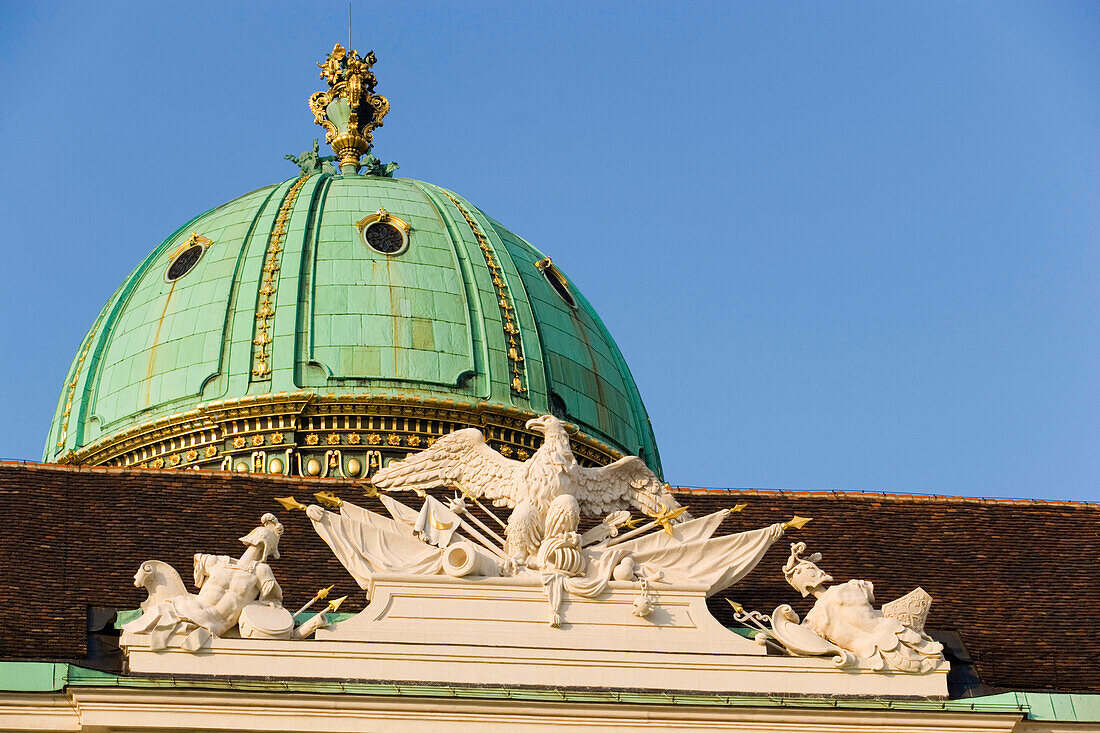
(464, 459)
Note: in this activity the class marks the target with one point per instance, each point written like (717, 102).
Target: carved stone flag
(435, 523)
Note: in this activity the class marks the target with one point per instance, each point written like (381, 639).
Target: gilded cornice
(297, 426)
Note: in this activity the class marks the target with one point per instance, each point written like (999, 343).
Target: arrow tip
(797, 522)
(328, 498)
(289, 502)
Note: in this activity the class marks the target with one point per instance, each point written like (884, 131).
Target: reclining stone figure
(844, 623)
(232, 592)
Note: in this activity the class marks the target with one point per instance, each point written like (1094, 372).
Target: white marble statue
(232, 591)
(463, 459)
(559, 553)
(843, 622)
(548, 493)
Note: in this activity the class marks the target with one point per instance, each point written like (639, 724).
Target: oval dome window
(557, 281)
(186, 257)
(386, 238)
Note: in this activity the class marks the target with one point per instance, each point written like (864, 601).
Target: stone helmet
(266, 535)
(802, 573)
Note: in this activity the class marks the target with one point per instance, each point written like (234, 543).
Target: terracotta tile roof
(884, 496)
(1016, 579)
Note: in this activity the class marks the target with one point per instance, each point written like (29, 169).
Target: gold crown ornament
(349, 110)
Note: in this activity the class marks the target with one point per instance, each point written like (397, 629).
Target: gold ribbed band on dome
(265, 308)
(76, 378)
(339, 432)
(504, 301)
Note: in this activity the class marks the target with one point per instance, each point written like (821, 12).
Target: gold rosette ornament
(350, 110)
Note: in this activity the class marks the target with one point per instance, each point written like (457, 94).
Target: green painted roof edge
(33, 676)
(79, 676)
(1054, 707)
(18, 676)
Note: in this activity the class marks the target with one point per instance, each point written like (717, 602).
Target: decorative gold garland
(76, 378)
(265, 311)
(504, 300)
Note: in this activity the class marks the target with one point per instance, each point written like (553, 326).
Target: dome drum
(304, 434)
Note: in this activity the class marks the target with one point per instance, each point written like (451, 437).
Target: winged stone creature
(465, 460)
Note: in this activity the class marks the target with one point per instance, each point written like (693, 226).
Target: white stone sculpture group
(548, 494)
(844, 624)
(541, 544)
(236, 595)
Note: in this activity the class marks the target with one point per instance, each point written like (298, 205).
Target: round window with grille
(384, 237)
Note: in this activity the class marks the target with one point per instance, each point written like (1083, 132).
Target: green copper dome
(340, 313)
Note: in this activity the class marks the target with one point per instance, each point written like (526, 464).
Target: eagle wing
(463, 457)
(627, 483)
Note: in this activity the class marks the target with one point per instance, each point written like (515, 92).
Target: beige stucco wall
(114, 709)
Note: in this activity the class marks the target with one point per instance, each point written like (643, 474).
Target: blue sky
(842, 245)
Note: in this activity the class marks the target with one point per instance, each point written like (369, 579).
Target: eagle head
(545, 424)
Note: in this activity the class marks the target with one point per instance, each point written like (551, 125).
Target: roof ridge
(818, 493)
(78, 468)
(882, 495)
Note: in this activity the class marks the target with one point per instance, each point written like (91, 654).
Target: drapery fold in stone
(366, 542)
(691, 556)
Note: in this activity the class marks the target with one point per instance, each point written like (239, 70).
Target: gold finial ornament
(321, 595)
(349, 110)
(664, 518)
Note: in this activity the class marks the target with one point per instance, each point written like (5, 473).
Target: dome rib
(99, 337)
(475, 313)
(562, 361)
